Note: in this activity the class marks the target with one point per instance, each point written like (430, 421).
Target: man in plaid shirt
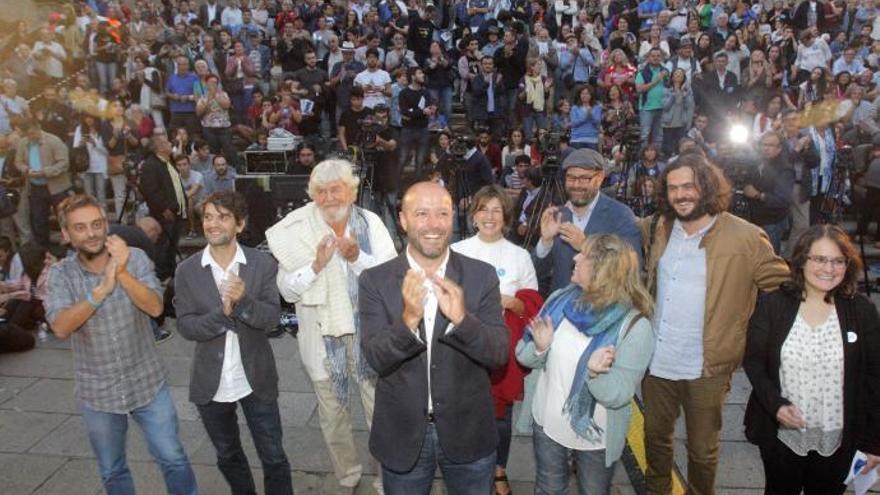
(103, 298)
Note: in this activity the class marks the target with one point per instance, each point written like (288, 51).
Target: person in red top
(287, 15)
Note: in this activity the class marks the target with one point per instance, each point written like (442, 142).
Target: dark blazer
(203, 14)
(610, 217)
(479, 88)
(461, 360)
(800, 15)
(712, 98)
(200, 318)
(156, 187)
(768, 329)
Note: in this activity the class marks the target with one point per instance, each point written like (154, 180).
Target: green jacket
(614, 390)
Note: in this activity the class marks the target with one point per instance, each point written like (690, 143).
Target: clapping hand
(549, 224)
(450, 299)
(325, 251)
(119, 252)
(108, 282)
(348, 248)
(572, 234)
(232, 289)
(413, 292)
(601, 360)
(542, 332)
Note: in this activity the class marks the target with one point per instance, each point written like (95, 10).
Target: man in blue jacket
(587, 211)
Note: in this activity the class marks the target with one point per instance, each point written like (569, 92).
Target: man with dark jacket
(162, 189)
(770, 189)
(415, 109)
(510, 60)
(432, 330)
(488, 97)
(234, 361)
(718, 94)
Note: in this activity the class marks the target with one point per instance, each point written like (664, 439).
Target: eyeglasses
(836, 263)
(580, 179)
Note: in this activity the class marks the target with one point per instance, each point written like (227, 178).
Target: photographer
(770, 190)
(476, 172)
(380, 149)
(350, 119)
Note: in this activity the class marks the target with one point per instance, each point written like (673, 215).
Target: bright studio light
(739, 134)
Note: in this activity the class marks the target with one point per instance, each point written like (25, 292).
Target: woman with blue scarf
(589, 346)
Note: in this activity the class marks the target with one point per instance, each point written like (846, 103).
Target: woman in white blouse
(589, 349)
(492, 216)
(813, 358)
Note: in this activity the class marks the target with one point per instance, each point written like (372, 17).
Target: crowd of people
(633, 173)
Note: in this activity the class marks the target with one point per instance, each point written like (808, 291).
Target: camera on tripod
(461, 145)
(740, 165)
(370, 129)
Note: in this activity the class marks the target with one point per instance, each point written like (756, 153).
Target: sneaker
(162, 335)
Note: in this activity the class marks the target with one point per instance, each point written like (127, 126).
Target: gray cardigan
(614, 390)
(678, 109)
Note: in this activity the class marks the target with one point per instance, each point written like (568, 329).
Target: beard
(698, 211)
(588, 197)
(335, 214)
(90, 255)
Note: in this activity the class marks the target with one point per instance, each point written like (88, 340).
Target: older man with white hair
(322, 248)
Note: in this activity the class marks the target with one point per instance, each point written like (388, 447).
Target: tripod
(551, 194)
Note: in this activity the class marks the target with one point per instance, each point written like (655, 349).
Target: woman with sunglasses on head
(813, 358)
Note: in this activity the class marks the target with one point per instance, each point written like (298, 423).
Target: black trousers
(788, 473)
(264, 421)
(166, 258)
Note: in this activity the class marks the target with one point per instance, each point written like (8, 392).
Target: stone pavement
(44, 448)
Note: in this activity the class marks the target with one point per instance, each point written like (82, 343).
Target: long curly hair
(714, 189)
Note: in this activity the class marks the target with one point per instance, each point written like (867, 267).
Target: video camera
(461, 145)
(370, 129)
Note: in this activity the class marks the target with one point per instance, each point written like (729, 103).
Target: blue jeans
(443, 98)
(158, 421)
(551, 467)
(471, 478)
(775, 231)
(106, 75)
(650, 123)
(264, 421)
(413, 140)
(533, 118)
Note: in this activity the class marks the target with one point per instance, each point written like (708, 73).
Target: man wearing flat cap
(587, 211)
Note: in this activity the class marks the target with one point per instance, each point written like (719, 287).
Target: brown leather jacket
(740, 261)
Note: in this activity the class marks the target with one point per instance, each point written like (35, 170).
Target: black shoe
(161, 335)
(277, 332)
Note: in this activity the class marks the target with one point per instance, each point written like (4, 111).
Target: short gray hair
(332, 170)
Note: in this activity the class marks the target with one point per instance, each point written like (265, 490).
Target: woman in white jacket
(92, 133)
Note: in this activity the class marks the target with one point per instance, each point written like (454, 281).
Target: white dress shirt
(234, 384)
(430, 313)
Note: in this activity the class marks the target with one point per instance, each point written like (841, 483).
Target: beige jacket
(740, 260)
(54, 158)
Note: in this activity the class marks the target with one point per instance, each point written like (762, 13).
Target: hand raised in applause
(325, 251)
(414, 292)
(348, 248)
(601, 360)
(450, 299)
(572, 234)
(549, 224)
(119, 252)
(542, 332)
(233, 289)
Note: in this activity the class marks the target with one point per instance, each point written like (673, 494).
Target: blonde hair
(615, 277)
